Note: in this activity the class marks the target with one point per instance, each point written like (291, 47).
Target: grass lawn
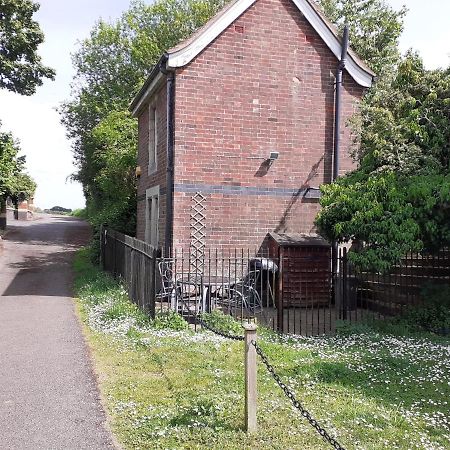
(176, 389)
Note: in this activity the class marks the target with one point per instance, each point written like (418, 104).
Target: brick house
(243, 112)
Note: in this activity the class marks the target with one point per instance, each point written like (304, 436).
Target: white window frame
(152, 138)
(152, 216)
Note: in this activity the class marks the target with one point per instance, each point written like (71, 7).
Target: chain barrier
(220, 333)
(290, 395)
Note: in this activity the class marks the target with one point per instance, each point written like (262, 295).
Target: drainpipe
(168, 243)
(337, 139)
(337, 108)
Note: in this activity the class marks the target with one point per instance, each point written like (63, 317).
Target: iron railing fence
(288, 293)
(238, 282)
(364, 295)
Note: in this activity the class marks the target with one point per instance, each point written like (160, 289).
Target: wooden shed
(304, 277)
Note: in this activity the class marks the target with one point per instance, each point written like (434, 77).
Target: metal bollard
(250, 377)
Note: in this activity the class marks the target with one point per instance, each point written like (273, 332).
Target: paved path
(48, 393)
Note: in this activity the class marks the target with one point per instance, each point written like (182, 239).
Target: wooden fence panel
(390, 293)
(133, 262)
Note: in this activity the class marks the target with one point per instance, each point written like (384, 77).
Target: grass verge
(167, 387)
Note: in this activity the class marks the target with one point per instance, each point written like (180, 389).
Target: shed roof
(299, 240)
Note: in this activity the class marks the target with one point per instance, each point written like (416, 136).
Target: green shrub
(169, 320)
(432, 315)
(80, 213)
(222, 322)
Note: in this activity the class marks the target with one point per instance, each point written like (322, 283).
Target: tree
(375, 29)
(398, 200)
(21, 69)
(14, 183)
(60, 209)
(111, 65)
(115, 140)
(22, 189)
(10, 163)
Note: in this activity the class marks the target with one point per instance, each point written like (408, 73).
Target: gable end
(186, 51)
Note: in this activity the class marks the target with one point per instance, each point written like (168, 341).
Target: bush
(169, 320)
(222, 322)
(80, 213)
(432, 315)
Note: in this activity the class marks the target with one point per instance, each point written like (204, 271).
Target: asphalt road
(48, 392)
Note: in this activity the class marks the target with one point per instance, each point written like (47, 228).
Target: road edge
(94, 370)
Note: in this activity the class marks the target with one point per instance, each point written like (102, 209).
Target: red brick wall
(265, 84)
(159, 177)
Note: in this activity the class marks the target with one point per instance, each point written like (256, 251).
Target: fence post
(250, 377)
(279, 294)
(344, 261)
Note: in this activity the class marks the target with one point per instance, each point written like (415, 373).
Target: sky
(35, 121)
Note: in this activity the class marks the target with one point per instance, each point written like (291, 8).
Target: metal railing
(289, 294)
(366, 295)
(241, 283)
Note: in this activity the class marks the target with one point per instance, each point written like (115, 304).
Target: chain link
(220, 333)
(289, 394)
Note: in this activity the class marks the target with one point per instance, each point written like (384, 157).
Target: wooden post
(279, 293)
(154, 270)
(250, 377)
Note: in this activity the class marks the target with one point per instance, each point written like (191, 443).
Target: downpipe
(168, 241)
(336, 147)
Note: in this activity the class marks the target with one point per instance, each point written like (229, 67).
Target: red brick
(268, 88)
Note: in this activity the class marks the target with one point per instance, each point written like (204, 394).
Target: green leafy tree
(398, 200)
(21, 71)
(375, 29)
(21, 68)
(10, 163)
(115, 140)
(14, 183)
(111, 65)
(23, 188)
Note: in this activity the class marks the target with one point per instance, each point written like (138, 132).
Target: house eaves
(187, 50)
(153, 81)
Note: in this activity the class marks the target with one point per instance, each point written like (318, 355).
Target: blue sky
(34, 121)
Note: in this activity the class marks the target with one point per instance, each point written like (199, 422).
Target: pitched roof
(183, 53)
